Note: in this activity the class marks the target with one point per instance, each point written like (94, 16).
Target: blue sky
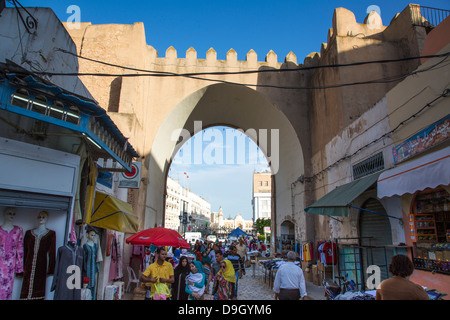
(220, 169)
(262, 25)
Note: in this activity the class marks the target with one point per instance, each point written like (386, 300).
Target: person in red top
(263, 247)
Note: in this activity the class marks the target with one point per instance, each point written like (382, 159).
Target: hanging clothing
(115, 270)
(66, 257)
(91, 267)
(307, 252)
(84, 240)
(39, 262)
(11, 259)
(327, 251)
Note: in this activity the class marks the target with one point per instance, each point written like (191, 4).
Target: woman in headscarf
(180, 273)
(206, 264)
(224, 281)
(195, 281)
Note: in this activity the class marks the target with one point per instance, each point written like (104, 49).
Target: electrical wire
(192, 75)
(261, 70)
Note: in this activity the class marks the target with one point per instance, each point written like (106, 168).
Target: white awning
(429, 171)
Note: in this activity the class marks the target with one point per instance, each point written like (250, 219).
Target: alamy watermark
(74, 20)
(236, 151)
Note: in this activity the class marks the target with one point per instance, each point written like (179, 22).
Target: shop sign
(266, 229)
(429, 137)
(131, 179)
(105, 178)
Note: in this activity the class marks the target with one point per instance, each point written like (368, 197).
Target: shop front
(369, 236)
(50, 142)
(422, 185)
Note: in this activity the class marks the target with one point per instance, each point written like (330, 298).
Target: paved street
(254, 288)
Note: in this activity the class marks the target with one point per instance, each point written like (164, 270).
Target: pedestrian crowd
(210, 269)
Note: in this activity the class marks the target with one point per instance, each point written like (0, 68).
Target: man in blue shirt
(289, 282)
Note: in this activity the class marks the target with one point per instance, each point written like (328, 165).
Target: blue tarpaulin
(237, 233)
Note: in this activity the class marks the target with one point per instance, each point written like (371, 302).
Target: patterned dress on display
(11, 259)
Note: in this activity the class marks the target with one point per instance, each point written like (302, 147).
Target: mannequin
(9, 215)
(68, 256)
(42, 220)
(39, 258)
(11, 259)
(91, 266)
(86, 294)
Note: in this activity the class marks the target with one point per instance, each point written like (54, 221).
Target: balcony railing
(428, 17)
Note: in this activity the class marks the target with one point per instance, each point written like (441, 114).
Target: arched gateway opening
(238, 107)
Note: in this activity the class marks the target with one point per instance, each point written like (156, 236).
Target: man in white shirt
(289, 281)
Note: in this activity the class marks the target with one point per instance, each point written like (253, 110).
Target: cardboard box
(328, 271)
(318, 279)
(306, 264)
(320, 266)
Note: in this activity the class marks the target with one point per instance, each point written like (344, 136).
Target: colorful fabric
(229, 273)
(198, 286)
(11, 259)
(225, 288)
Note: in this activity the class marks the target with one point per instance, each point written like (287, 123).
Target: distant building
(223, 226)
(195, 205)
(262, 194)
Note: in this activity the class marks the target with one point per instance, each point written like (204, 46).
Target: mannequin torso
(39, 231)
(8, 226)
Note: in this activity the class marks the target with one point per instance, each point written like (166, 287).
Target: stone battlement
(190, 59)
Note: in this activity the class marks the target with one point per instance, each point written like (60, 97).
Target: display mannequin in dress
(11, 249)
(39, 258)
(42, 220)
(9, 215)
(91, 266)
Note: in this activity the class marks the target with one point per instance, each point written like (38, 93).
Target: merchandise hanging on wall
(115, 270)
(11, 253)
(91, 266)
(69, 264)
(39, 259)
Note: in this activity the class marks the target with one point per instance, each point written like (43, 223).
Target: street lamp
(184, 218)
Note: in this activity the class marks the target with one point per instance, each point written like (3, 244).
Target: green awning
(336, 202)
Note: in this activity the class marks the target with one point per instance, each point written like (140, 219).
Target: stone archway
(234, 106)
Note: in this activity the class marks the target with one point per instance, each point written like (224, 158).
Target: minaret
(220, 217)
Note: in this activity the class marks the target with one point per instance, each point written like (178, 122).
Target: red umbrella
(159, 237)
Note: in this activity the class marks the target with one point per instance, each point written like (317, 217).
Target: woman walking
(195, 281)
(180, 273)
(225, 281)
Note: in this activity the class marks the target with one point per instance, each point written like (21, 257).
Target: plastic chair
(131, 278)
